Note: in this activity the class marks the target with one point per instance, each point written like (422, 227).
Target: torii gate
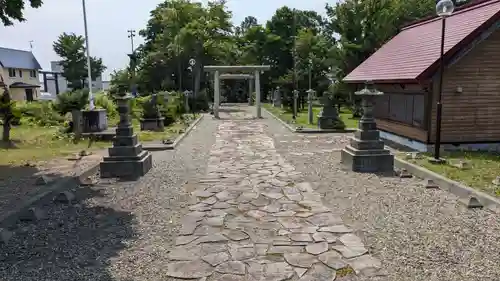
(221, 69)
(248, 77)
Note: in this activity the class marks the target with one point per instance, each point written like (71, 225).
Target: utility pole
(294, 50)
(89, 67)
(131, 35)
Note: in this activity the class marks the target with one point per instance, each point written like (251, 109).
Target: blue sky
(108, 22)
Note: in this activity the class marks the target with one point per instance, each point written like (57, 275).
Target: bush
(40, 113)
(103, 101)
(149, 109)
(200, 102)
(69, 101)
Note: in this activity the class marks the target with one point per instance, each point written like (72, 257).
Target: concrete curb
(294, 129)
(464, 192)
(161, 147)
(12, 216)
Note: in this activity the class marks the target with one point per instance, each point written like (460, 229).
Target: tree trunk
(6, 131)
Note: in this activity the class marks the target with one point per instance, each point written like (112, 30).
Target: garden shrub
(40, 113)
(69, 101)
(103, 101)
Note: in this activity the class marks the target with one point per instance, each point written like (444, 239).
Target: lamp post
(444, 9)
(89, 70)
(192, 63)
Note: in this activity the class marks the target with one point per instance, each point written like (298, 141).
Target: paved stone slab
(333, 260)
(189, 269)
(216, 258)
(317, 248)
(319, 272)
(231, 267)
(303, 260)
(253, 218)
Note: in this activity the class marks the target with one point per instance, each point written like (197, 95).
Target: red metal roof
(417, 47)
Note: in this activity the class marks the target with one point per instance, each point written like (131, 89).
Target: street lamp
(89, 70)
(444, 9)
(192, 63)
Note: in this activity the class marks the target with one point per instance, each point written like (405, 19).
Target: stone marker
(32, 214)
(429, 183)
(474, 203)
(65, 197)
(366, 152)
(42, 180)
(328, 117)
(496, 181)
(404, 174)
(5, 235)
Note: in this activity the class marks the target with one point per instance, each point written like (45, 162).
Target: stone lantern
(127, 159)
(366, 152)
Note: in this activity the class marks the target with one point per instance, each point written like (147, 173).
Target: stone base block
(369, 161)
(156, 124)
(330, 123)
(124, 168)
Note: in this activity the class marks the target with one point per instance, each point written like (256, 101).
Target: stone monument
(127, 159)
(295, 98)
(366, 152)
(151, 118)
(187, 94)
(328, 118)
(277, 97)
(310, 96)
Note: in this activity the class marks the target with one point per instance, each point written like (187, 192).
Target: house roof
(416, 49)
(23, 85)
(13, 58)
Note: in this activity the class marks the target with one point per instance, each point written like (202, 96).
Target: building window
(33, 73)
(20, 73)
(402, 108)
(12, 72)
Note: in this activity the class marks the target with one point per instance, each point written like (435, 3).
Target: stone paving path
(253, 218)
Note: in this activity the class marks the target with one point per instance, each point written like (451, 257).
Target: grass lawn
(484, 168)
(286, 116)
(34, 144)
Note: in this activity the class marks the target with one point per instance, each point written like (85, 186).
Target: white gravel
(418, 234)
(118, 231)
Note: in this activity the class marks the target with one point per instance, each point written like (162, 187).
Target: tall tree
(70, 47)
(13, 10)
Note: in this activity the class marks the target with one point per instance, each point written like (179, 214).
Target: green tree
(11, 10)
(70, 47)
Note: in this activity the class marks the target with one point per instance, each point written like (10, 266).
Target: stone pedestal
(94, 121)
(328, 118)
(127, 159)
(366, 151)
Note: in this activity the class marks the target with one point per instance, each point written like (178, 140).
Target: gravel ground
(418, 234)
(118, 230)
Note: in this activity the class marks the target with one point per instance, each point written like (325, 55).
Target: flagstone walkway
(255, 219)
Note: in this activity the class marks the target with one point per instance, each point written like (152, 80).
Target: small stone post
(187, 94)
(310, 96)
(366, 152)
(216, 94)
(277, 97)
(295, 97)
(127, 159)
(258, 112)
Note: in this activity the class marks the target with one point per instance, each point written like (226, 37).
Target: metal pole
(439, 105)
(294, 64)
(89, 67)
